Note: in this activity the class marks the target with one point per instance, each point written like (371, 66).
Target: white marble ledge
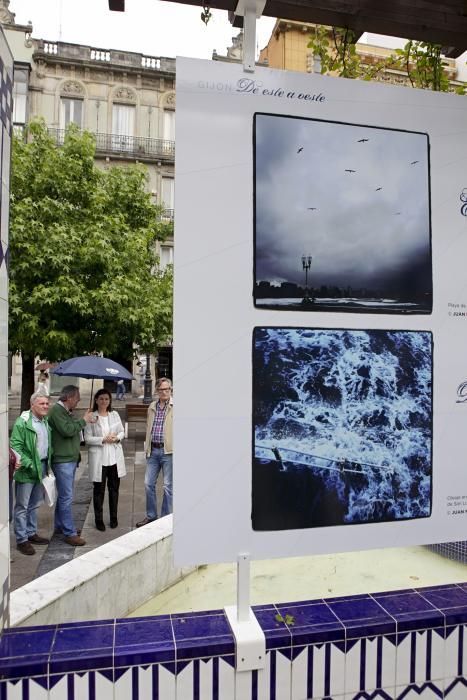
(49, 589)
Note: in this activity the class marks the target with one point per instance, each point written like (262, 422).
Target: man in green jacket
(66, 432)
(31, 439)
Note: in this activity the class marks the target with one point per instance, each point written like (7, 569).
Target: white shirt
(109, 453)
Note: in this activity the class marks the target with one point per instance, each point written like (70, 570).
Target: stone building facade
(127, 100)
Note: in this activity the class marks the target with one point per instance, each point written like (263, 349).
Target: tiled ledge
(111, 580)
(400, 645)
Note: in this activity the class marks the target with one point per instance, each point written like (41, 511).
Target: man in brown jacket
(159, 451)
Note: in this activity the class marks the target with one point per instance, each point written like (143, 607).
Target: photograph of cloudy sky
(342, 217)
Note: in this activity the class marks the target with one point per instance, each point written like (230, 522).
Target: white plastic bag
(50, 489)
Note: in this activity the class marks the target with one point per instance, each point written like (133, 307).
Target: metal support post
(250, 10)
(250, 642)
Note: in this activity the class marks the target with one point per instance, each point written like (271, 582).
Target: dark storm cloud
(358, 234)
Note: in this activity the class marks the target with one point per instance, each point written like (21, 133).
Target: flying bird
(348, 170)
(378, 189)
(397, 213)
(300, 149)
(311, 208)
(362, 140)
(414, 161)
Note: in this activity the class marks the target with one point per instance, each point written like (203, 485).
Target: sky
(152, 27)
(368, 228)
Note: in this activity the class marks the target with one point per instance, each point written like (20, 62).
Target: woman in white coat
(105, 456)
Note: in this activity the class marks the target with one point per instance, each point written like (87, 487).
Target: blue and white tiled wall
(403, 645)
(6, 85)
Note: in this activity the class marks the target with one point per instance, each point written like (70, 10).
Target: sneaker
(38, 540)
(100, 525)
(145, 521)
(25, 548)
(75, 540)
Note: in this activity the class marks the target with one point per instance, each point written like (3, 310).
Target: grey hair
(37, 395)
(163, 379)
(67, 392)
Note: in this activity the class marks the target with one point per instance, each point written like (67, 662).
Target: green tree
(423, 64)
(420, 60)
(337, 51)
(84, 275)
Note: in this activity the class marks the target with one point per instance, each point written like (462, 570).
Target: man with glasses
(159, 451)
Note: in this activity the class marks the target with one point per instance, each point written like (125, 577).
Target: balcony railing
(137, 147)
(111, 57)
(167, 215)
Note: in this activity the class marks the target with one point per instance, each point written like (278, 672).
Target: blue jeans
(28, 499)
(120, 393)
(157, 461)
(65, 479)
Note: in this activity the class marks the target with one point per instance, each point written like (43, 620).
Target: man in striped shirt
(159, 451)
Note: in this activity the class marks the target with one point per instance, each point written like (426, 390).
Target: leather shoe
(113, 524)
(75, 540)
(59, 532)
(38, 540)
(25, 548)
(100, 525)
(145, 521)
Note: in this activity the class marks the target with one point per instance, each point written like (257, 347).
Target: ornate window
(71, 112)
(71, 104)
(123, 118)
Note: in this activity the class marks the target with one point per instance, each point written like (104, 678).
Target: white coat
(93, 438)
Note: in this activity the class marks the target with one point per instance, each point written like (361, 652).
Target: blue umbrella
(92, 367)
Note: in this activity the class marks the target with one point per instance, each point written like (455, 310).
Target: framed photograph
(342, 217)
(342, 427)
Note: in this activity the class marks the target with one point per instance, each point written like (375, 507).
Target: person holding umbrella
(105, 456)
(66, 432)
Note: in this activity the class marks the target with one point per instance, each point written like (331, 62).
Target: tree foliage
(423, 64)
(337, 51)
(420, 60)
(84, 275)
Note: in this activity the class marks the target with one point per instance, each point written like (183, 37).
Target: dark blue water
(354, 408)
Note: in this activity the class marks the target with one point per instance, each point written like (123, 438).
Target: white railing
(150, 62)
(97, 55)
(50, 48)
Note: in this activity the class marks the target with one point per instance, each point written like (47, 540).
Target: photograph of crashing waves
(342, 217)
(342, 427)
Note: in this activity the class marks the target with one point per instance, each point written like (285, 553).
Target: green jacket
(65, 434)
(24, 441)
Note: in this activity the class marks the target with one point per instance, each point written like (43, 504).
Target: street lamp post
(306, 264)
(147, 397)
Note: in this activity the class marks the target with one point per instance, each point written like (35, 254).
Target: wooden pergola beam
(440, 22)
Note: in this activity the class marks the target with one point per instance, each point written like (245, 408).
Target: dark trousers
(111, 478)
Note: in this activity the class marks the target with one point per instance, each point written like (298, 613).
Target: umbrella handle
(92, 394)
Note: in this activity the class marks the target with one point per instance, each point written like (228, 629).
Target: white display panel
(264, 177)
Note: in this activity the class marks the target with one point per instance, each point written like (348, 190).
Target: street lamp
(147, 398)
(306, 264)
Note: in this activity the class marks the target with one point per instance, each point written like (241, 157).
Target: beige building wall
(101, 81)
